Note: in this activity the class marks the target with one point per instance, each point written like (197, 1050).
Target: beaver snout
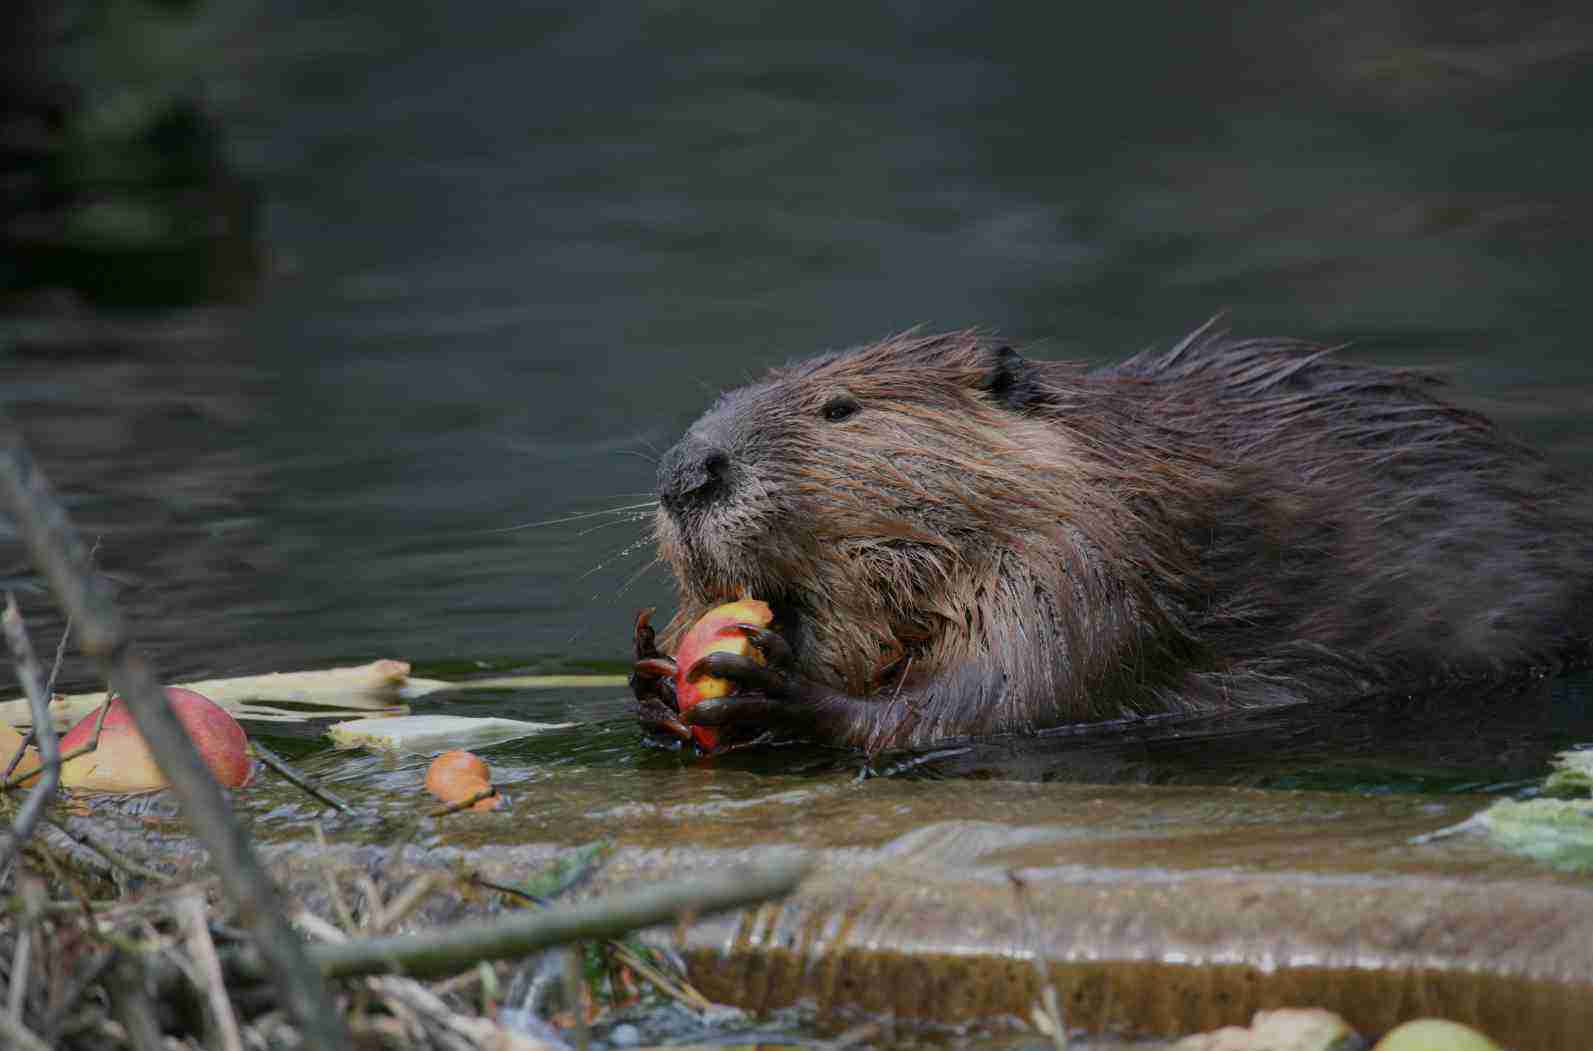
(693, 475)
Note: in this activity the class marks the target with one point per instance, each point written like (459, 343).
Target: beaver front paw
(653, 685)
(769, 692)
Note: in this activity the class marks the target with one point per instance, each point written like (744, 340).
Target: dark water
(511, 250)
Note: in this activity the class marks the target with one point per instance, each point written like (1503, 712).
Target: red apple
(123, 763)
(715, 632)
(454, 777)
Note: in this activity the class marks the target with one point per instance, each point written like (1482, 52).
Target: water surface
(512, 250)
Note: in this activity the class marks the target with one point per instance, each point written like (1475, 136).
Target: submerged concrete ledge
(1150, 952)
(1156, 911)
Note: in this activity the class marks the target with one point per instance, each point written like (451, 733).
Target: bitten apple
(123, 763)
(715, 632)
(454, 777)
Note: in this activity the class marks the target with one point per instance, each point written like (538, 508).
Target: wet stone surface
(1157, 910)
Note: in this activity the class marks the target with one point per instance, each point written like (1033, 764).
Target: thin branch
(16, 1035)
(436, 953)
(82, 981)
(466, 803)
(16, 758)
(60, 649)
(49, 750)
(339, 906)
(114, 858)
(191, 917)
(681, 991)
(409, 899)
(93, 743)
(33, 899)
(281, 766)
(102, 634)
(128, 984)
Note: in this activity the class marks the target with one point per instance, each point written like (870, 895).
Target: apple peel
(715, 632)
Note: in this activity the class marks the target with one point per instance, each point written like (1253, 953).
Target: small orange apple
(715, 632)
(123, 763)
(454, 777)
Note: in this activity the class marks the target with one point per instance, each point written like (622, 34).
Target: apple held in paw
(123, 763)
(715, 632)
(456, 776)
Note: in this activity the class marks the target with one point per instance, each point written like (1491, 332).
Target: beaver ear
(1009, 379)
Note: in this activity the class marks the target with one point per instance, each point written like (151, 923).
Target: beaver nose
(692, 474)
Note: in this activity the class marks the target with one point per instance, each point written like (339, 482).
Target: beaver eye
(838, 409)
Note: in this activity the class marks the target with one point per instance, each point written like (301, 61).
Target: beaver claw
(652, 683)
(771, 644)
(769, 693)
(745, 672)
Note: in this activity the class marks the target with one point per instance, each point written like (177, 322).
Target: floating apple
(456, 776)
(715, 632)
(123, 763)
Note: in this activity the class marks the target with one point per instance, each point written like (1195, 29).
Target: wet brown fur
(990, 544)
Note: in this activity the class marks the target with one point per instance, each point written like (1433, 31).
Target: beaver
(959, 541)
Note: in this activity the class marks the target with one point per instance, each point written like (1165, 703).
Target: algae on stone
(1557, 831)
(1572, 776)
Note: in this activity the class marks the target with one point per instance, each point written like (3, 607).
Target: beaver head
(880, 499)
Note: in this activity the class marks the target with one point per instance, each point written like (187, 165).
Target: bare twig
(93, 743)
(60, 645)
(436, 953)
(315, 927)
(505, 888)
(49, 750)
(409, 899)
(15, 780)
(102, 633)
(16, 1035)
(575, 994)
(683, 992)
(131, 1000)
(281, 766)
(339, 906)
(375, 914)
(854, 1036)
(113, 857)
(466, 803)
(49, 691)
(82, 981)
(33, 899)
(196, 928)
(16, 758)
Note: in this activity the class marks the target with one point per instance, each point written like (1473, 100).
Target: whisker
(630, 519)
(625, 509)
(634, 577)
(623, 552)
